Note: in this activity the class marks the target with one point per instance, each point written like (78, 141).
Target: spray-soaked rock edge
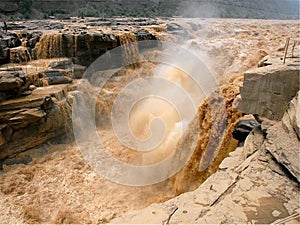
(258, 182)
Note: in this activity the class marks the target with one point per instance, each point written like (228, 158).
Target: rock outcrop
(35, 107)
(283, 139)
(13, 84)
(268, 90)
(7, 41)
(83, 44)
(29, 121)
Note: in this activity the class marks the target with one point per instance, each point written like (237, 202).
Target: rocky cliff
(78, 39)
(280, 9)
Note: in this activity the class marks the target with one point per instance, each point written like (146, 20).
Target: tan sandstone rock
(268, 90)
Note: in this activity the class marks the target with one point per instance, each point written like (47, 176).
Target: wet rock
(15, 26)
(174, 27)
(243, 129)
(19, 55)
(78, 71)
(77, 42)
(47, 104)
(33, 38)
(88, 47)
(13, 84)
(10, 40)
(21, 118)
(4, 55)
(57, 77)
(33, 120)
(194, 26)
(7, 41)
(177, 30)
(142, 35)
(16, 160)
(54, 26)
(65, 64)
(59, 80)
(10, 82)
(32, 87)
(100, 23)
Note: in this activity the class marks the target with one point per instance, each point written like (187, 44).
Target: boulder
(268, 90)
(10, 82)
(76, 71)
(272, 94)
(144, 35)
(176, 29)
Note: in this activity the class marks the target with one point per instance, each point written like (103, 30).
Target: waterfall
(130, 48)
(50, 46)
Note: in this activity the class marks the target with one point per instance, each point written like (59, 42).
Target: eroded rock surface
(13, 84)
(27, 122)
(283, 140)
(268, 90)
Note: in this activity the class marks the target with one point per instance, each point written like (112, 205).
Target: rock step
(37, 97)
(27, 122)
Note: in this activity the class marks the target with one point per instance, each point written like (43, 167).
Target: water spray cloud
(149, 115)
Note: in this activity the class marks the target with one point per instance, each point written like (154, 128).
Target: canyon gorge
(47, 84)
